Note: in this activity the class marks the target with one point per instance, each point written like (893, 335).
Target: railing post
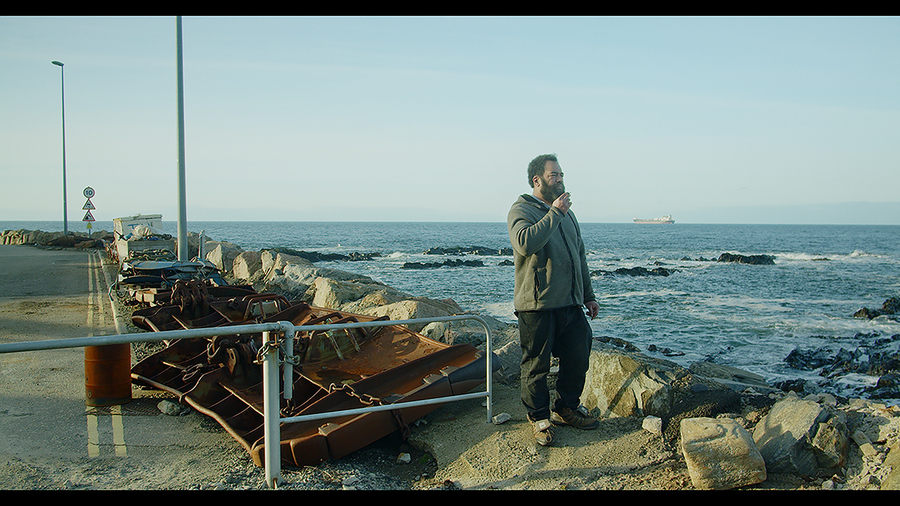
(271, 410)
(288, 371)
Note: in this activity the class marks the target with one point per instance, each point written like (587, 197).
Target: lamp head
(57, 63)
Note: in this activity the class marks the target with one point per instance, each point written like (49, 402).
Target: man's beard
(552, 192)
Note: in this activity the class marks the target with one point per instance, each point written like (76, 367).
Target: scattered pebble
(652, 424)
(170, 408)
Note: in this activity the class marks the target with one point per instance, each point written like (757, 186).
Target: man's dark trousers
(564, 333)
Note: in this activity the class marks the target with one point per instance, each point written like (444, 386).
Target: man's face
(551, 183)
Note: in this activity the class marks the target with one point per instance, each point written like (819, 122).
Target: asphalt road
(49, 437)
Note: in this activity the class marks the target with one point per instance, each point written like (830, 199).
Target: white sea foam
(801, 257)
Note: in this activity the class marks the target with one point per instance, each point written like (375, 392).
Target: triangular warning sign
(88, 217)
(88, 206)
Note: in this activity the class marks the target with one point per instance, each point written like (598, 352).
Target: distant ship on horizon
(664, 219)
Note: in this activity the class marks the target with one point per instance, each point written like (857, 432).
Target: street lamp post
(63, 86)
(182, 192)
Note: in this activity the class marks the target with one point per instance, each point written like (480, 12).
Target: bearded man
(552, 285)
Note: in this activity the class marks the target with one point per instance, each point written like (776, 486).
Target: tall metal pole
(182, 199)
(62, 75)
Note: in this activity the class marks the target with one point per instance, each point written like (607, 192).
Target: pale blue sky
(710, 119)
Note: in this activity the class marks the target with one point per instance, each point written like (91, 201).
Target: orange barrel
(107, 374)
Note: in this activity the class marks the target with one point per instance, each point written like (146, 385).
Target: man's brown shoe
(542, 433)
(575, 418)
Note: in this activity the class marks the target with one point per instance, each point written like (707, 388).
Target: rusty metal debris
(152, 281)
(336, 370)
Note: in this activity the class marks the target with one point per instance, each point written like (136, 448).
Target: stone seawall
(55, 239)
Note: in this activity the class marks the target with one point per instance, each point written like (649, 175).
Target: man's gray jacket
(551, 268)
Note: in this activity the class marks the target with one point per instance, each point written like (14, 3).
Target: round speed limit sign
(88, 192)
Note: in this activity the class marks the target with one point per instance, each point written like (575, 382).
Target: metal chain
(295, 360)
(369, 400)
(365, 399)
(267, 346)
(263, 350)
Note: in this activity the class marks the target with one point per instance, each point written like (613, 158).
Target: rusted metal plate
(338, 370)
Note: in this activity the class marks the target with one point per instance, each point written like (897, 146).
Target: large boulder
(785, 436)
(622, 382)
(352, 295)
(266, 261)
(281, 260)
(294, 280)
(271, 266)
(892, 461)
(831, 442)
(307, 274)
(509, 359)
(20, 236)
(734, 378)
(408, 310)
(472, 332)
(223, 255)
(245, 265)
(720, 454)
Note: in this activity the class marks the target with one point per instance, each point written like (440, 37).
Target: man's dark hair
(537, 166)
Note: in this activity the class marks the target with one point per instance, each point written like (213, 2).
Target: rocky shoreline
(728, 428)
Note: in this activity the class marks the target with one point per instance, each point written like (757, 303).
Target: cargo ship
(664, 219)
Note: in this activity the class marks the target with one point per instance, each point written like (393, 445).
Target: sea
(742, 315)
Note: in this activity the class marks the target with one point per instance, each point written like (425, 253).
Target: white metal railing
(271, 348)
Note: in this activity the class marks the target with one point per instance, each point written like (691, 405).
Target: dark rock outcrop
(635, 271)
(445, 263)
(747, 259)
(890, 307)
(314, 256)
(872, 356)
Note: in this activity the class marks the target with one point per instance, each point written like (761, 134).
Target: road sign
(88, 217)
